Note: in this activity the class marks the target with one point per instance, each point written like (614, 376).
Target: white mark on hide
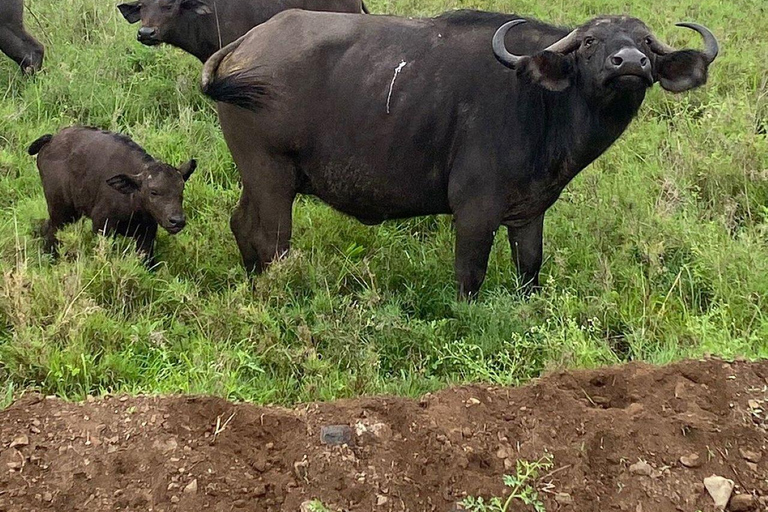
(392, 85)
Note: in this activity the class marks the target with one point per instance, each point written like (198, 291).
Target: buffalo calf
(111, 180)
(15, 42)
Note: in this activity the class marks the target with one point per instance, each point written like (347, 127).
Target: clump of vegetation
(656, 252)
(522, 487)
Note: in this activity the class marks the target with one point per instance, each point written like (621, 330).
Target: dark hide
(15, 42)
(111, 180)
(201, 27)
(385, 118)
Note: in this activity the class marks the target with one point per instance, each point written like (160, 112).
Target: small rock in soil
(381, 500)
(563, 498)
(641, 468)
(690, 461)
(21, 440)
(191, 487)
(750, 456)
(335, 435)
(742, 503)
(719, 489)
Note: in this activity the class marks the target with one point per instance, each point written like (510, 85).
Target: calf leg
(526, 244)
(145, 243)
(57, 220)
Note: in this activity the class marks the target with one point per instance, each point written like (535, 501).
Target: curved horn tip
(499, 48)
(712, 47)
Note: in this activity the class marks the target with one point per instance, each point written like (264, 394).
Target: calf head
(161, 18)
(612, 56)
(160, 191)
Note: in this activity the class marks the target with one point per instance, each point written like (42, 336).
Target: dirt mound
(600, 427)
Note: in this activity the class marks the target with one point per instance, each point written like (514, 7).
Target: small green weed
(522, 487)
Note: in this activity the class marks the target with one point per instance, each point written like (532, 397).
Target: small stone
(641, 468)
(719, 489)
(336, 435)
(22, 440)
(563, 498)
(472, 401)
(752, 466)
(173, 486)
(753, 404)
(307, 506)
(191, 487)
(502, 453)
(691, 461)
(47, 497)
(381, 500)
(174, 499)
(742, 503)
(508, 464)
(750, 456)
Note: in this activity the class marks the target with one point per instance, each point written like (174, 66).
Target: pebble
(563, 498)
(381, 500)
(191, 487)
(750, 456)
(720, 489)
(742, 503)
(335, 435)
(22, 440)
(641, 468)
(691, 461)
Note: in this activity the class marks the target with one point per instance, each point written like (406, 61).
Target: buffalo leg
(242, 223)
(474, 238)
(526, 244)
(269, 190)
(273, 235)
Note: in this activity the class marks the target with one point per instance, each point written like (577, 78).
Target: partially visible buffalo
(201, 27)
(385, 117)
(113, 181)
(15, 42)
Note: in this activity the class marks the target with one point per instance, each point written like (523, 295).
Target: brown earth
(193, 453)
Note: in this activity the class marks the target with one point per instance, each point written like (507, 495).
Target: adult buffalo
(384, 117)
(201, 27)
(15, 42)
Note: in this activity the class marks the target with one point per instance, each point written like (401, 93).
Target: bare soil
(202, 453)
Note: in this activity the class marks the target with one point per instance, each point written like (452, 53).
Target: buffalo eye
(154, 193)
(589, 41)
(649, 40)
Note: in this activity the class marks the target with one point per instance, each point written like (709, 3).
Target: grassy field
(657, 252)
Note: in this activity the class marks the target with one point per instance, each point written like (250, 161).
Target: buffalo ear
(682, 70)
(124, 183)
(131, 11)
(187, 169)
(551, 70)
(197, 6)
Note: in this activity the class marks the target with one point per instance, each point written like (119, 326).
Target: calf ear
(551, 70)
(681, 71)
(187, 169)
(197, 6)
(124, 183)
(131, 11)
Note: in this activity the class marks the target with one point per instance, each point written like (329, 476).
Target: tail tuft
(36, 146)
(242, 88)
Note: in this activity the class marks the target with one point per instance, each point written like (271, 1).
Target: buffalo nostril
(147, 32)
(644, 61)
(616, 61)
(177, 221)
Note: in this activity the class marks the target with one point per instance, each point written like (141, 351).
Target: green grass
(656, 252)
